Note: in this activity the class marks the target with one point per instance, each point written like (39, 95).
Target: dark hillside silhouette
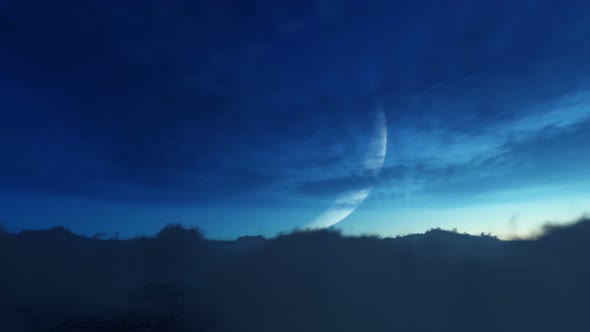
(177, 280)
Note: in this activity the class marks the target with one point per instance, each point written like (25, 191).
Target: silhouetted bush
(178, 233)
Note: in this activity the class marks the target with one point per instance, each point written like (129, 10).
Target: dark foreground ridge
(55, 280)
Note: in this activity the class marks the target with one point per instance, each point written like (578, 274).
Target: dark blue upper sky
(253, 116)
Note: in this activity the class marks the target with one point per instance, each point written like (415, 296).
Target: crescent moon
(348, 201)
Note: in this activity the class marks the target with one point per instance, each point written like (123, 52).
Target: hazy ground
(310, 281)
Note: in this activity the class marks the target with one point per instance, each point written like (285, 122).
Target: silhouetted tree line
(177, 280)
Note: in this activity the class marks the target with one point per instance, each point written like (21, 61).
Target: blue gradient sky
(250, 117)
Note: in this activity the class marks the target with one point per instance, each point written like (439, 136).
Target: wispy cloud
(443, 146)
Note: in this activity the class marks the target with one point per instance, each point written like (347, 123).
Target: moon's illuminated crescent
(348, 201)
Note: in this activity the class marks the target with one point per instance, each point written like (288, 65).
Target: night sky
(253, 116)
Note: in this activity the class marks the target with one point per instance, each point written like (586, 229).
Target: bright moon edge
(347, 202)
